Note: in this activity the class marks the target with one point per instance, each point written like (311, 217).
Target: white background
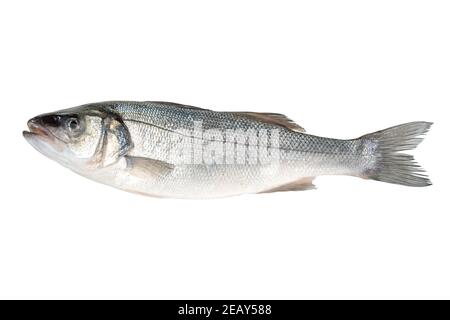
(340, 68)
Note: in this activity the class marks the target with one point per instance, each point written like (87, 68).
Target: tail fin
(390, 165)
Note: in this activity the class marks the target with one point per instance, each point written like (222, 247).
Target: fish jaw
(40, 138)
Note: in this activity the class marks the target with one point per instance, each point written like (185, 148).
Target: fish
(170, 150)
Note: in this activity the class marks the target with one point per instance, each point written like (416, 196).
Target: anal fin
(297, 185)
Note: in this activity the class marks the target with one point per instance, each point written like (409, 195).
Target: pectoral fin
(146, 168)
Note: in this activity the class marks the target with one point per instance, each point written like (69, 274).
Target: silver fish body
(170, 150)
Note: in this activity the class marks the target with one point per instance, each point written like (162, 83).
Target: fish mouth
(37, 129)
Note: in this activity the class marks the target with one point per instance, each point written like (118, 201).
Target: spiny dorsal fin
(267, 117)
(298, 185)
(179, 105)
(272, 118)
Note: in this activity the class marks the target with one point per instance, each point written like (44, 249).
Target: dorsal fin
(267, 117)
(272, 118)
(173, 104)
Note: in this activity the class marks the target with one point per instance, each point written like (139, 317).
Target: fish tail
(386, 162)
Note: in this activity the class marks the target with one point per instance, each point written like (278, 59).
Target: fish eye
(73, 124)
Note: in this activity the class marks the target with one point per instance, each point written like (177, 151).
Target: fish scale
(301, 155)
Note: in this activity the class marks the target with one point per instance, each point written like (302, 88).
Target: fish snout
(42, 125)
(43, 121)
(34, 123)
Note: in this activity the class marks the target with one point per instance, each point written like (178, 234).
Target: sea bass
(170, 150)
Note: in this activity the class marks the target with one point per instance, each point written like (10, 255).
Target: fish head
(81, 138)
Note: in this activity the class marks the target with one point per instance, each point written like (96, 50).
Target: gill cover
(114, 142)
